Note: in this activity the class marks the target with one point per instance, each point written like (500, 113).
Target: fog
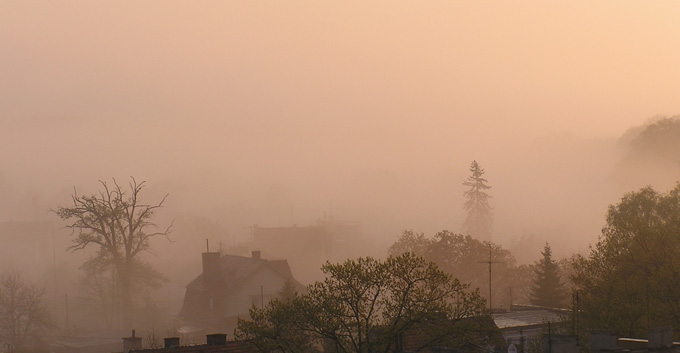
(276, 113)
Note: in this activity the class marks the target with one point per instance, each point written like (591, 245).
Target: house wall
(266, 279)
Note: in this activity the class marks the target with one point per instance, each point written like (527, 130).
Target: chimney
(216, 339)
(211, 267)
(171, 342)
(132, 342)
(255, 254)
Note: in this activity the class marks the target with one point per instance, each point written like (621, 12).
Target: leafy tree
(23, 312)
(410, 241)
(278, 326)
(478, 221)
(364, 305)
(548, 289)
(462, 256)
(117, 223)
(628, 282)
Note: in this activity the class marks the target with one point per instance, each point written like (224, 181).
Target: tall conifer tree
(478, 222)
(548, 290)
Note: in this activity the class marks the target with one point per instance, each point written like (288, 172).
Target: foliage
(462, 256)
(658, 140)
(628, 282)
(117, 223)
(278, 326)
(363, 305)
(478, 221)
(548, 289)
(23, 312)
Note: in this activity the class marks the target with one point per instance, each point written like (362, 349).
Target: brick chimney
(211, 265)
(132, 342)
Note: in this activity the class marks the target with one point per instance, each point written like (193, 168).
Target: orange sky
(393, 99)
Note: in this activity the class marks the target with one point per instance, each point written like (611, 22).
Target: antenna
(490, 263)
(207, 246)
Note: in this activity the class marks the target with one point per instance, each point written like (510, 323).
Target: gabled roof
(237, 269)
(235, 272)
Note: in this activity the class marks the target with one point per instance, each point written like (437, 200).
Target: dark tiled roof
(237, 269)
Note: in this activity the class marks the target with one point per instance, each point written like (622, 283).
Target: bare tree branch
(115, 221)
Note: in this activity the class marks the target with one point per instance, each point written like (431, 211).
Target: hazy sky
(275, 112)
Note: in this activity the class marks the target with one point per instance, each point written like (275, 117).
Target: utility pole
(490, 263)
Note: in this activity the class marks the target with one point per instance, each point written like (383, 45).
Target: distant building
(308, 248)
(230, 285)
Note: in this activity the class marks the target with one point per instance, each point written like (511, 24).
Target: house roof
(527, 317)
(235, 272)
(237, 269)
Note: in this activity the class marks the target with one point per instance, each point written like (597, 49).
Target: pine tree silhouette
(548, 290)
(478, 222)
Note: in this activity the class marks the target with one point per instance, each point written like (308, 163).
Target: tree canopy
(628, 283)
(651, 153)
(365, 305)
(479, 219)
(464, 257)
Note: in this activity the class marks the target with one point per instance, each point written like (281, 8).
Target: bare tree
(120, 226)
(23, 312)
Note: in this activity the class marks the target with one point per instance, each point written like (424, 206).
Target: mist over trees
(368, 113)
(465, 258)
(479, 218)
(119, 225)
(650, 154)
(24, 314)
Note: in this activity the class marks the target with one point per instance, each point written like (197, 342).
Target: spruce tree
(478, 222)
(548, 290)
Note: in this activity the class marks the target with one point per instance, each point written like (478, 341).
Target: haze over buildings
(275, 114)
